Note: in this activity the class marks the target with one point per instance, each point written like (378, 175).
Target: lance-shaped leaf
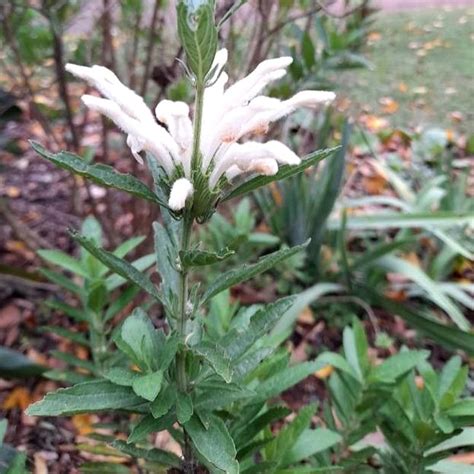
(153, 455)
(285, 171)
(214, 443)
(100, 174)
(238, 341)
(197, 258)
(98, 395)
(247, 271)
(217, 357)
(122, 267)
(198, 34)
(63, 260)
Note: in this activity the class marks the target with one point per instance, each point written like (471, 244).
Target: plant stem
(188, 461)
(198, 106)
(183, 295)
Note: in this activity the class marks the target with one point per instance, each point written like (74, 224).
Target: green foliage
(96, 302)
(420, 416)
(198, 35)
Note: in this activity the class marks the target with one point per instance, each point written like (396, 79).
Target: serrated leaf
(198, 35)
(148, 424)
(101, 174)
(247, 271)
(217, 357)
(214, 443)
(119, 266)
(85, 397)
(285, 171)
(237, 342)
(159, 456)
(198, 258)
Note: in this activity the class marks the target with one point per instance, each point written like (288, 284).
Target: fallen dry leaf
(19, 397)
(389, 105)
(83, 424)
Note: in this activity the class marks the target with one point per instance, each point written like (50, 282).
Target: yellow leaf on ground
(325, 372)
(82, 423)
(389, 105)
(306, 316)
(19, 397)
(375, 124)
(402, 87)
(13, 191)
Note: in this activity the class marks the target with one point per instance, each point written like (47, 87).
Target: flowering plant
(209, 394)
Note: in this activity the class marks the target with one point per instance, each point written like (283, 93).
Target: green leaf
(214, 443)
(398, 220)
(73, 336)
(449, 336)
(61, 281)
(284, 172)
(247, 271)
(289, 434)
(121, 376)
(166, 246)
(198, 258)
(432, 289)
(101, 174)
(159, 456)
(305, 298)
(122, 267)
(219, 395)
(85, 397)
(141, 264)
(217, 357)
(128, 246)
(252, 429)
(148, 386)
(464, 407)
(238, 341)
(140, 341)
(396, 366)
(465, 438)
(184, 407)
(75, 313)
(163, 402)
(63, 260)
(310, 443)
(14, 364)
(103, 468)
(148, 424)
(285, 379)
(198, 35)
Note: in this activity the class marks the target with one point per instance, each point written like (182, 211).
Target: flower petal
(181, 190)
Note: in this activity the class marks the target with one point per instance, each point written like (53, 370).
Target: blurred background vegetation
(391, 214)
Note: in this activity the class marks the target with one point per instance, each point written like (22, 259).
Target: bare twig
(21, 230)
(149, 49)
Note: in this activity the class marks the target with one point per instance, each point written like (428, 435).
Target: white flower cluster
(228, 115)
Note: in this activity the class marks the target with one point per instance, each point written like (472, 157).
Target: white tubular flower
(130, 113)
(228, 116)
(182, 190)
(253, 156)
(175, 115)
